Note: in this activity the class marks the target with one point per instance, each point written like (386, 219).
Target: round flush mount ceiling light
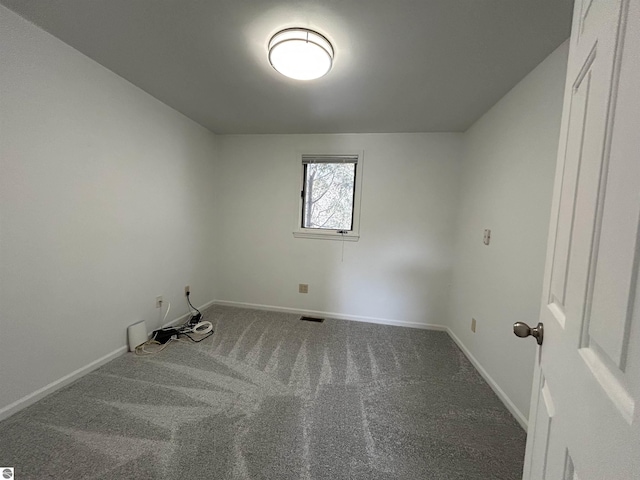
(300, 53)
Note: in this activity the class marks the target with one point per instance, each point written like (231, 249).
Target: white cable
(165, 315)
(202, 328)
(140, 350)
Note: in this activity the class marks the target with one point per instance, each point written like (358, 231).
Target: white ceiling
(400, 65)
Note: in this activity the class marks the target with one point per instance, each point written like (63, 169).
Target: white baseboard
(39, 394)
(340, 316)
(522, 420)
(30, 399)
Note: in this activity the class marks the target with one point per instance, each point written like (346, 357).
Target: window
(329, 197)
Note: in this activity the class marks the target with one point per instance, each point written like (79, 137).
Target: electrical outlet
(159, 301)
(473, 325)
(187, 290)
(487, 237)
(303, 288)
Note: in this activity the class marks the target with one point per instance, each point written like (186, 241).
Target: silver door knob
(523, 330)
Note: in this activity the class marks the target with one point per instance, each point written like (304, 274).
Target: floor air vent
(312, 319)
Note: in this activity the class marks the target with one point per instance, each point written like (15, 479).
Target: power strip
(164, 335)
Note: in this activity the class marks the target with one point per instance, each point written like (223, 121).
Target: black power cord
(194, 340)
(163, 336)
(193, 321)
(194, 318)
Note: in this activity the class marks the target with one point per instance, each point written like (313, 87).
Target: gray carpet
(271, 397)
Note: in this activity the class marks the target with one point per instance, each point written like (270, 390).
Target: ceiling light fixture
(300, 53)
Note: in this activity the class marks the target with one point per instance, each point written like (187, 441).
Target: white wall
(400, 268)
(507, 178)
(106, 201)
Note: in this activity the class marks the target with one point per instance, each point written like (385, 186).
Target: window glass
(328, 196)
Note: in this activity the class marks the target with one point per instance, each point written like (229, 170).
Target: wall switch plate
(473, 325)
(159, 301)
(303, 288)
(487, 236)
(187, 290)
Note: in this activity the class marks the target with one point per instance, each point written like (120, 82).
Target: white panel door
(585, 421)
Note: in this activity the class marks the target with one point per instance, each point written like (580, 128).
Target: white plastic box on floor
(137, 335)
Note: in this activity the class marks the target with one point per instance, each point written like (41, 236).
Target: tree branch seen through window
(328, 195)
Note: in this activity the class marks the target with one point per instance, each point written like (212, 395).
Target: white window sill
(352, 237)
